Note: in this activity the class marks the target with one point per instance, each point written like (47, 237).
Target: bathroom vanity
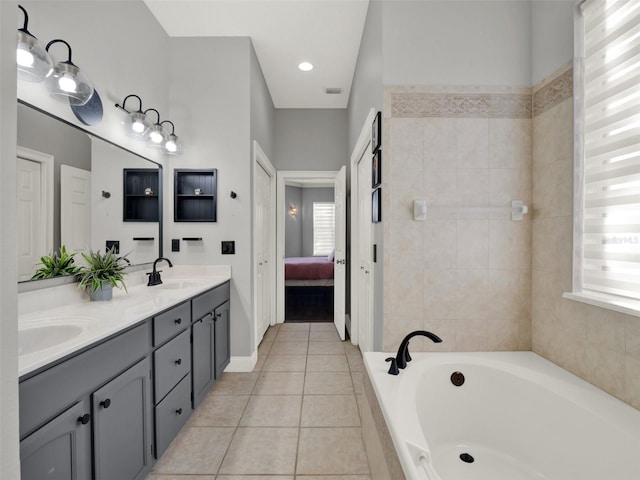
(106, 386)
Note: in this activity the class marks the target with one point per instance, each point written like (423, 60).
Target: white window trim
(616, 303)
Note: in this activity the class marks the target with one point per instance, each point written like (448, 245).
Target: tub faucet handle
(393, 368)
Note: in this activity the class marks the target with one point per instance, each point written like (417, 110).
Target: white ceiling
(326, 33)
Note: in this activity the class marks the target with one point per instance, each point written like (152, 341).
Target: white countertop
(77, 322)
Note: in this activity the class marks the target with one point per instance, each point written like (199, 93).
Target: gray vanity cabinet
(210, 339)
(60, 450)
(122, 425)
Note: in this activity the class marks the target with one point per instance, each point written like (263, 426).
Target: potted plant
(57, 264)
(101, 274)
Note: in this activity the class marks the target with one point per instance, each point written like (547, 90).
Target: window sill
(610, 302)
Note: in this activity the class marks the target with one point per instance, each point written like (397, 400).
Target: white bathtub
(517, 415)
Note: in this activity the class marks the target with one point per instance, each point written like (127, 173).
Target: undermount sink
(34, 339)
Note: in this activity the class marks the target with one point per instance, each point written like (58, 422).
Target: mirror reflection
(78, 191)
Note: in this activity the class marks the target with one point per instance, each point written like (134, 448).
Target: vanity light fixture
(173, 145)
(34, 62)
(136, 124)
(67, 82)
(305, 66)
(156, 136)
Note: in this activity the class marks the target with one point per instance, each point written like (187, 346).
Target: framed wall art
(376, 206)
(376, 133)
(376, 169)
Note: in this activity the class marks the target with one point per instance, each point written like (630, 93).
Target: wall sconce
(34, 62)
(173, 145)
(293, 211)
(67, 82)
(156, 136)
(136, 124)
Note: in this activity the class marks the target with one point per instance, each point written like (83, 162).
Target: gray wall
(551, 37)
(310, 195)
(311, 139)
(292, 225)
(211, 101)
(67, 145)
(262, 110)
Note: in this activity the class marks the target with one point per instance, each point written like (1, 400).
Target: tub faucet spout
(403, 352)
(154, 276)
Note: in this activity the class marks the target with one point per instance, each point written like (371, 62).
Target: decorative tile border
(551, 92)
(501, 105)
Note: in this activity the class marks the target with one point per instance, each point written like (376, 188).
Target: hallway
(294, 417)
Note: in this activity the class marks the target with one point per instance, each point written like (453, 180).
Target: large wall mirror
(82, 191)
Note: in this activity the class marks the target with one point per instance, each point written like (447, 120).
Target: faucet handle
(393, 368)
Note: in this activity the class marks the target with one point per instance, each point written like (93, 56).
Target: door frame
(260, 160)
(298, 178)
(47, 163)
(360, 327)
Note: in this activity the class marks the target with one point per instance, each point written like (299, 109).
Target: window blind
(611, 222)
(324, 228)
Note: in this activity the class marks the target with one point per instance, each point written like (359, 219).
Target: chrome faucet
(154, 276)
(402, 357)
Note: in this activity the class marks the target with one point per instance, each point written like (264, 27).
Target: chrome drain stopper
(466, 458)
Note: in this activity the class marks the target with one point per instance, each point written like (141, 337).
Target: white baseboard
(242, 364)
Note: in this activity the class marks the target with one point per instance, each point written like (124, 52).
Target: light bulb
(24, 58)
(171, 146)
(137, 126)
(67, 83)
(305, 66)
(155, 137)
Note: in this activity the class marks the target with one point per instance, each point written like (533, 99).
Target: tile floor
(295, 417)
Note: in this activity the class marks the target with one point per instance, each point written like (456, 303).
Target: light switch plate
(228, 247)
(175, 244)
(113, 245)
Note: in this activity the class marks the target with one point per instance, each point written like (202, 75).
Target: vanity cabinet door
(222, 338)
(203, 362)
(61, 449)
(122, 425)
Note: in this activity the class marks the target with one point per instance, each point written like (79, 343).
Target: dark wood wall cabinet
(195, 195)
(109, 411)
(141, 202)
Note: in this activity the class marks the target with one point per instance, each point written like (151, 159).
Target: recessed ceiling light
(305, 66)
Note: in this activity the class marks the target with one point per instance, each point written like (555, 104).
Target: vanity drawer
(48, 393)
(171, 362)
(171, 322)
(208, 301)
(172, 413)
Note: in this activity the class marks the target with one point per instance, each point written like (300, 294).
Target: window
(324, 228)
(610, 150)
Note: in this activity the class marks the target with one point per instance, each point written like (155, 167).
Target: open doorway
(311, 247)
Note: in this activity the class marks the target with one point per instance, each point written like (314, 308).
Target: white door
(339, 280)
(75, 208)
(363, 264)
(31, 221)
(263, 237)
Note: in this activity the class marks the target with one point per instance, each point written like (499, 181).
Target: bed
(308, 288)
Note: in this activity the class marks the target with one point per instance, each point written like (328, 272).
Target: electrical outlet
(175, 244)
(113, 245)
(228, 247)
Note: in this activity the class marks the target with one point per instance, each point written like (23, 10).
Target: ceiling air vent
(333, 91)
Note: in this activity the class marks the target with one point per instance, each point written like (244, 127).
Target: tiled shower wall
(462, 274)
(599, 345)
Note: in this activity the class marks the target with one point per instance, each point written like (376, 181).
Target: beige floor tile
(289, 348)
(159, 476)
(264, 348)
(324, 336)
(329, 411)
(254, 477)
(235, 384)
(280, 383)
(259, 363)
(325, 348)
(272, 411)
(323, 326)
(350, 348)
(295, 326)
(322, 477)
(344, 446)
(219, 411)
(328, 383)
(270, 334)
(292, 336)
(261, 451)
(327, 363)
(358, 382)
(196, 450)
(355, 363)
(285, 363)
